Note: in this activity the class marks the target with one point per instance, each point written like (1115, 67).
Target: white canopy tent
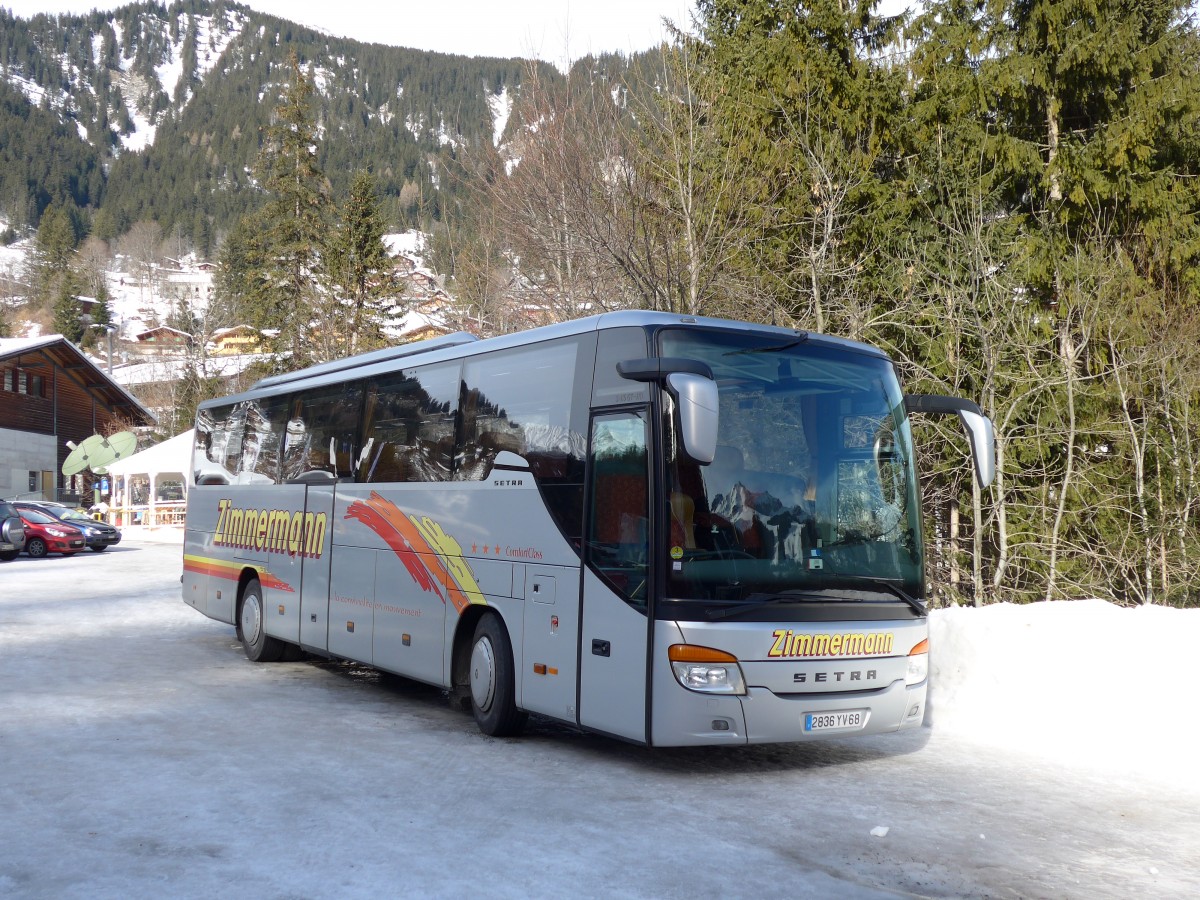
(143, 485)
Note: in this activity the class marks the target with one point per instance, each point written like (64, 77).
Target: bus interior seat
(683, 521)
(389, 464)
(620, 508)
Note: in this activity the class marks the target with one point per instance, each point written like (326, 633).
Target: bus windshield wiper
(883, 584)
(758, 601)
(800, 339)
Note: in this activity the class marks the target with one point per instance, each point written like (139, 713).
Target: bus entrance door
(615, 632)
(314, 583)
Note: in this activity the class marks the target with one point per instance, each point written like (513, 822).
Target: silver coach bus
(668, 529)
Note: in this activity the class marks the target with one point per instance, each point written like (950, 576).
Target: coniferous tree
(51, 271)
(361, 277)
(240, 286)
(293, 221)
(1099, 104)
(101, 312)
(808, 109)
(68, 312)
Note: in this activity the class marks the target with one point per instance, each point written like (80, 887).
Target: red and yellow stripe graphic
(432, 557)
(219, 568)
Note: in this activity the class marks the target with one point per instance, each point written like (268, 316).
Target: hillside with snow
(142, 299)
(157, 113)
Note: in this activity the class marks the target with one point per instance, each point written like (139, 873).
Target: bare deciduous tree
(142, 246)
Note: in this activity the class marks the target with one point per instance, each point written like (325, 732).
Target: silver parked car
(12, 532)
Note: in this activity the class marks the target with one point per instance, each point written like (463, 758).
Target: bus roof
(462, 344)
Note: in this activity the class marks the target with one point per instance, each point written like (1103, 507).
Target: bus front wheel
(259, 646)
(493, 685)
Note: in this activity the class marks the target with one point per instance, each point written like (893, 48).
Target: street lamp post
(109, 329)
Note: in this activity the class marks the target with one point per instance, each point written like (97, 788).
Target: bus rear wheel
(259, 646)
(493, 685)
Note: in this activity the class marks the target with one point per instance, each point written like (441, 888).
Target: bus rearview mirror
(696, 398)
(980, 432)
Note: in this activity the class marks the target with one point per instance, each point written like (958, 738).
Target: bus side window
(331, 415)
(208, 460)
(262, 435)
(409, 426)
(296, 442)
(518, 400)
(222, 444)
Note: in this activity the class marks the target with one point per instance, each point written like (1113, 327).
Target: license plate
(839, 720)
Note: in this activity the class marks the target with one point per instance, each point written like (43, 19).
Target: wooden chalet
(162, 340)
(236, 340)
(50, 393)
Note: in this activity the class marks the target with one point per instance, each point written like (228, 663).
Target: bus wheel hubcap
(250, 619)
(483, 674)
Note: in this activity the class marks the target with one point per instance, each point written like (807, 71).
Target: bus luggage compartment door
(549, 642)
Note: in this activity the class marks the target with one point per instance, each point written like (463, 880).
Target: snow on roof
(233, 329)
(411, 243)
(172, 368)
(414, 321)
(159, 328)
(112, 387)
(13, 346)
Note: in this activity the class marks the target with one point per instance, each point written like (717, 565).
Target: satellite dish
(120, 445)
(98, 451)
(81, 457)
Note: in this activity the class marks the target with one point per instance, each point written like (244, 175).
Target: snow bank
(1083, 683)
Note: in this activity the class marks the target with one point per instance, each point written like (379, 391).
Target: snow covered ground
(144, 756)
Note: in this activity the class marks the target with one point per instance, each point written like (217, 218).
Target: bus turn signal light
(918, 663)
(692, 653)
(706, 670)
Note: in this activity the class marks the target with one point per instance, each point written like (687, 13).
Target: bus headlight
(706, 670)
(918, 663)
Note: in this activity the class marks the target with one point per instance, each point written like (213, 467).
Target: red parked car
(46, 534)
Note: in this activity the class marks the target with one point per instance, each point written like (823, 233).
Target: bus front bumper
(761, 716)
(772, 717)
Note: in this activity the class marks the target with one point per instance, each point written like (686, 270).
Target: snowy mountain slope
(168, 105)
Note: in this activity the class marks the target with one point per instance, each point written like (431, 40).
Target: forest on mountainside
(94, 83)
(1002, 194)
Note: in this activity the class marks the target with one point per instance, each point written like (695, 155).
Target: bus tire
(493, 685)
(259, 646)
(293, 653)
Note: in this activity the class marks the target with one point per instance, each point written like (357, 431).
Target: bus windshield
(812, 495)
